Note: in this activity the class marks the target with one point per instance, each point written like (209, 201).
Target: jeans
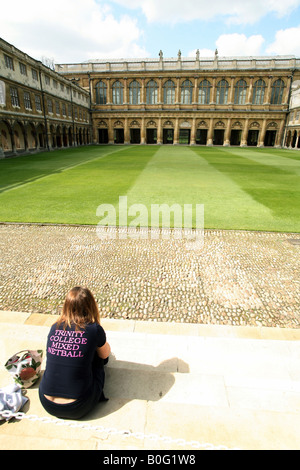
(83, 405)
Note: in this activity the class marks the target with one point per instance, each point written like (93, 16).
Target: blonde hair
(79, 309)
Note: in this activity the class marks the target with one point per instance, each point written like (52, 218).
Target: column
(279, 135)
(143, 135)
(160, 97)
(125, 91)
(159, 132)
(245, 134)
(231, 91)
(109, 97)
(193, 132)
(250, 92)
(177, 95)
(126, 132)
(286, 94)
(213, 92)
(227, 133)
(210, 134)
(110, 132)
(195, 97)
(176, 132)
(262, 134)
(268, 94)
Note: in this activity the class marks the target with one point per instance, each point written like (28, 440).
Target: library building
(223, 101)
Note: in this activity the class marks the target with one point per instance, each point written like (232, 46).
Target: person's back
(74, 377)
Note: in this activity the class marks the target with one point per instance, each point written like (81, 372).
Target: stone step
(214, 389)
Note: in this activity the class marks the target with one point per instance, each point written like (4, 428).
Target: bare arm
(104, 351)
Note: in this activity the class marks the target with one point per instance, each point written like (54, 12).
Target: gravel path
(237, 278)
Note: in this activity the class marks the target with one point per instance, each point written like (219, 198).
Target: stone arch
(202, 125)
(58, 134)
(168, 124)
(65, 142)
(5, 137)
(19, 139)
(31, 136)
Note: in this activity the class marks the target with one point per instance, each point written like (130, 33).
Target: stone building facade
(246, 101)
(218, 101)
(39, 108)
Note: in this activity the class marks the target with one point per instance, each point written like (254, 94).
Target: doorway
(184, 136)
(218, 137)
(119, 136)
(168, 136)
(252, 138)
(103, 136)
(135, 136)
(151, 136)
(201, 136)
(235, 138)
(270, 139)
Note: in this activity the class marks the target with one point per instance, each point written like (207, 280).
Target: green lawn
(253, 189)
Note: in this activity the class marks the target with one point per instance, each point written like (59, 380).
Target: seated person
(77, 350)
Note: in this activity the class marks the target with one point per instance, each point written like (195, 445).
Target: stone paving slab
(238, 278)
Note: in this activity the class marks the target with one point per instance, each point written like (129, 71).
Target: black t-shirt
(70, 355)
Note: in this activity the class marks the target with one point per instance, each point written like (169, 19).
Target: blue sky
(76, 30)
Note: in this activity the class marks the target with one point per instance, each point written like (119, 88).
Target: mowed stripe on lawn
(179, 175)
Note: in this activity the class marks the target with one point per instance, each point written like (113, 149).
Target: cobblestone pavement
(236, 278)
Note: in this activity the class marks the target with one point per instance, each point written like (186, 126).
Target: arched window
(151, 92)
(277, 92)
(222, 92)
(204, 92)
(117, 92)
(240, 92)
(187, 92)
(134, 92)
(258, 92)
(169, 92)
(100, 89)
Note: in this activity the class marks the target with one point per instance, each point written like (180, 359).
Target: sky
(73, 31)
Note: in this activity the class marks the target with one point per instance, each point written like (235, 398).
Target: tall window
(258, 92)
(117, 92)
(204, 92)
(151, 92)
(134, 92)
(187, 92)
(222, 92)
(27, 100)
(277, 92)
(23, 69)
(34, 74)
(2, 92)
(240, 92)
(9, 63)
(38, 103)
(100, 88)
(50, 106)
(169, 92)
(14, 96)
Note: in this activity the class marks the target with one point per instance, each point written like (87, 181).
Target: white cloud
(235, 11)
(70, 30)
(239, 45)
(287, 42)
(233, 45)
